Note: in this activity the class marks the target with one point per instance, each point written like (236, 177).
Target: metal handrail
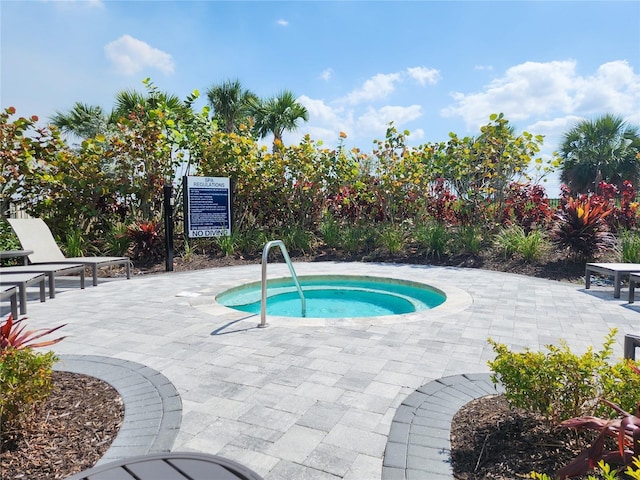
(285, 254)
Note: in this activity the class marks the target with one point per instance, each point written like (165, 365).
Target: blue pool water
(335, 296)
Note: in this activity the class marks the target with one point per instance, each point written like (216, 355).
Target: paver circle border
(152, 405)
(419, 444)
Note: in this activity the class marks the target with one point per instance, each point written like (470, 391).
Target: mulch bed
(554, 265)
(70, 433)
(490, 440)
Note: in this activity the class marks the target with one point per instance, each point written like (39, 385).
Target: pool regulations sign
(207, 204)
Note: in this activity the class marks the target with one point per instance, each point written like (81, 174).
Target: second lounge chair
(35, 235)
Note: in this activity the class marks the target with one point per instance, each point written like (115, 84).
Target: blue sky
(430, 67)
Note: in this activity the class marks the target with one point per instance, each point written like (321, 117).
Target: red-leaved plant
(581, 227)
(14, 335)
(626, 431)
(146, 239)
(440, 203)
(622, 200)
(526, 205)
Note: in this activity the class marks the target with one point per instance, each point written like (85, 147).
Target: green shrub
(605, 472)
(629, 244)
(392, 238)
(433, 238)
(116, 241)
(330, 231)
(8, 239)
(187, 249)
(228, 243)
(513, 240)
(75, 243)
(297, 239)
(25, 376)
(561, 384)
(508, 239)
(356, 238)
(251, 242)
(25, 382)
(620, 384)
(469, 239)
(534, 246)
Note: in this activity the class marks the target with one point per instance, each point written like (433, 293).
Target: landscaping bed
(490, 440)
(68, 434)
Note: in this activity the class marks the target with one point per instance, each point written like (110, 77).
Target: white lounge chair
(615, 270)
(51, 270)
(35, 235)
(22, 281)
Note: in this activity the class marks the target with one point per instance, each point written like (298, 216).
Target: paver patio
(316, 399)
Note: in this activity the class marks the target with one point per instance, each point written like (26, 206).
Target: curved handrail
(285, 254)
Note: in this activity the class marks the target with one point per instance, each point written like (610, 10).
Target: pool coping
(152, 405)
(419, 441)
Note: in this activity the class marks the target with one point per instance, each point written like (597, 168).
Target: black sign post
(207, 206)
(168, 227)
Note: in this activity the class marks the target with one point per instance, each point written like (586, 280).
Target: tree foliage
(481, 169)
(231, 105)
(83, 120)
(468, 186)
(24, 149)
(605, 149)
(278, 114)
(112, 177)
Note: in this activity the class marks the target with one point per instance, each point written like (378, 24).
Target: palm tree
(128, 101)
(86, 121)
(606, 148)
(83, 120)
(231, 104)
(277, 114)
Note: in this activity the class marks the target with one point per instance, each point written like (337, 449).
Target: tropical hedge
(460, 195)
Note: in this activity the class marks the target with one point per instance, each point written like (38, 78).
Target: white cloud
(554, 127)
(326, 118)
(374, 122)
(382, 85)
(377, 87)
(525, 90)
(614, 88)
(327, 74)
(417, 134)
(424, 75)
(282, 22)
(319, 110)
(130, 56)
(550, 90)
